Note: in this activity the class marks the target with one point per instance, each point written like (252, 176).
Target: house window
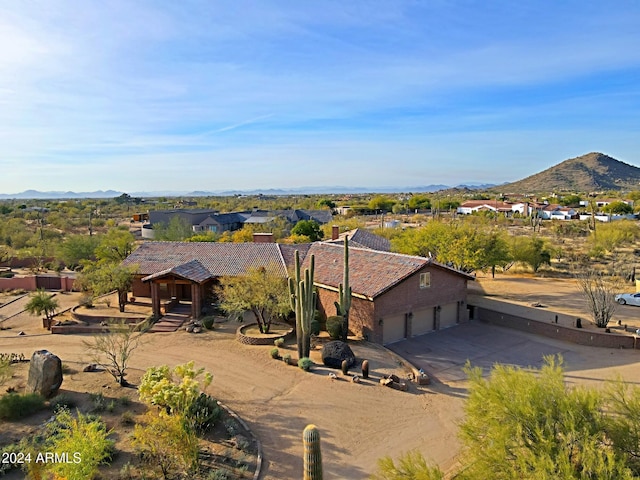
(425, 280)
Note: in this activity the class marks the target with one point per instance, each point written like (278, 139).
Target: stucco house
(394, 296)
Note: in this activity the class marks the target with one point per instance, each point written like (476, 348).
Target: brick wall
(580, 336)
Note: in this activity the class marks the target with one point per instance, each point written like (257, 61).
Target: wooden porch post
(195, 300)
(155, 299)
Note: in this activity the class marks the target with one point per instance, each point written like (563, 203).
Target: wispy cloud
(393, 85)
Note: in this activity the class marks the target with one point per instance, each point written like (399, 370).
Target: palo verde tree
(308, 228)
(41, 302)
(302, 296)
(524, 425)
(262, 291)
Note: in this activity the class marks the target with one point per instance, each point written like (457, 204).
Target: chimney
(263, 237)
(335, 232)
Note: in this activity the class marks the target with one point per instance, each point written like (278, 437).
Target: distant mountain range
(34, 194)
(589, 173)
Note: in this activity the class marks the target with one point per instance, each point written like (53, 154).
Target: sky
(215, 95)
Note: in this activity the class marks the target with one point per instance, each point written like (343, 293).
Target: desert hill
(588, 173)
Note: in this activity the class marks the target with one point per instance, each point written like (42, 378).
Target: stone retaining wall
(267, 340)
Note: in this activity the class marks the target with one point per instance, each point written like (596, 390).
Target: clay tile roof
(192, 270)
(364, 239)
(219, 259)
(371, 272)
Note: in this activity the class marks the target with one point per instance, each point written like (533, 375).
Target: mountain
(588, 173)
(35, 194)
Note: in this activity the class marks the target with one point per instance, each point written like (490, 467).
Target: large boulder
(45, 374)
(333, 353)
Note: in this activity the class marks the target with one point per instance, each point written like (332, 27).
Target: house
(507, 208)
(556, 212)
(206, 220)
(394, 296)
(361, 238)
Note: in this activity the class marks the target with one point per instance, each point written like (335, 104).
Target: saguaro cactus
(344, 293)
(303, 303)
(312, 454)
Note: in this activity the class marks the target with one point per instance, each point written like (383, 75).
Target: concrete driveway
(443, 354)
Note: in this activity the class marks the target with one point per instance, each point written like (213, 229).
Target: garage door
(393, 329)
(422, 322)
(449, 315)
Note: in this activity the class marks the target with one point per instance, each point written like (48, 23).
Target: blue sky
(214, 95)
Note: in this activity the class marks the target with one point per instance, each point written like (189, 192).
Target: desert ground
(359, 423)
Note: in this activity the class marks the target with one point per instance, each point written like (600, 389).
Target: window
(425, 280)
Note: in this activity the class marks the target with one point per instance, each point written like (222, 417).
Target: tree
(618, 208)
(571, 200)
(496, 251)
(262, 291)
(100, 279)
(419, 202)
(532, 251)
(381, 202)
(115, 246)
(599, 292)
(41, 302)
(76, 248)
(177, 230)
(530, 425)
(326, 203)
(410, 466)
(308, 228)
(113, 350)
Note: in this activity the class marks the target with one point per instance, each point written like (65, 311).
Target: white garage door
(422, 322)
(449, 315)
(393, 329)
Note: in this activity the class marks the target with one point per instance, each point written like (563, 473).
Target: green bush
(287, 358)
(274, 352)
(7, 274)
(15, 405)
(305, 363)
(203, 413)
(278, 342)
(62, 400)
(207, 322)
(334, 327)
(315, 327)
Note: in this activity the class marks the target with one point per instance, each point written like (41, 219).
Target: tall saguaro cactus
(344, 293)
(303, 303)
(312, 453)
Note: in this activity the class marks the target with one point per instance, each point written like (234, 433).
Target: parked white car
(628, 299)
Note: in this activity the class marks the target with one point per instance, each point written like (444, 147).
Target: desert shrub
(305, 363)
(5, 370)
(7, 274)
(62, 400)
(158, 387)
(203, 413)
(124, 401)
(207, 322)
(315, 327)
(99, 402)
(13, 448)
(334, 327)
(86, 301)
(287, 358)
(84, 438)
(166, 444)
(16, 405)
(127, 418)
(278, 342)
(274, 352)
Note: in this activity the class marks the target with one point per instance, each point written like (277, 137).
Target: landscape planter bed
(262, 338)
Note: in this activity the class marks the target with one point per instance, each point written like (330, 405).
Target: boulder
(333, 353)
(45, 374)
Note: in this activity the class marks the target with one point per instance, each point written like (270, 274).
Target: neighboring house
(507, 208)
(394, 296)
(361, 238)
(556, 212)
(205, 220)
